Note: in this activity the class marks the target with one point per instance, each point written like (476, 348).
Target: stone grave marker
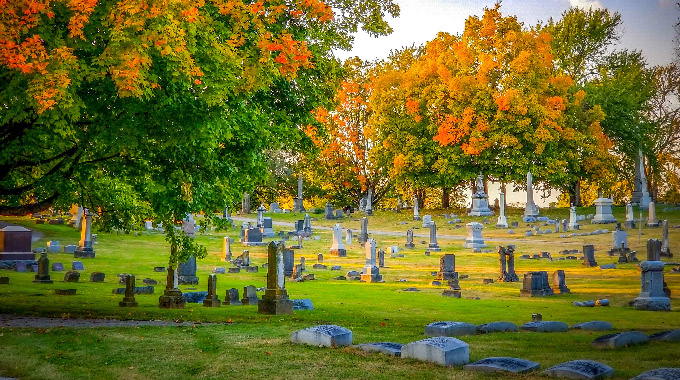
(129, 298)
(427, 219)
(545, 326)
(387, 348)
(211, 299)
(381, 258)
(323, 335)
(559, 283)
(243, 260)
(433, 246)
(665, 246)
(409, 239)
(72, 276)
(447, 267)
(250, 295)
(77, 265)
(252, 237)
(620, 340)
(480, 201)
(186, 272)
(659, 374)
(666, 336)
(502, 364)
(57, 267)
(288, 261)
(441, 350)
(603, 211)
(53, 246)
(497, 327)
(275, 300)
(474, 237)
(172, 296)
(43, 276)
(268, 227)
(363, 237)
(589, 256)
(535, 284)
(652, 296)
(580, 369)
(371, 272)
(592, 326)
(447, 328)
(416, 209)
(337, 248)
(226, 248)
(85, 249)
(97, 277)
(502, 221)
(232, 298)
(348, 237)
(70, 248)
(651, 220)
(506, 257)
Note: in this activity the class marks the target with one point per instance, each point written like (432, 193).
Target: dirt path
(14, 321)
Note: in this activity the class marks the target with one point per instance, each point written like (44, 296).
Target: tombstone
(148, 225)
(603, 211)
(186, 272)
(226, 248)
(129, 298)
(502, 364)
(70, 248)
(20, 267)
(288, 261)
(652, 296)
(348, 236)
(665, 247)
(381, 258)
(57, 267)
(589, 256)
(592, 326)
(433, 246)
(43, 276)
(259, 221)
(267, 227)
(308, 225)
(53, 246)
(409, 239)
(298, 203)
(72, 276)
(85, 249)
(371, 272)
(386, 348)
(497, 327)
(416, 209)
(297, 272)
(211, 299)
(77, 218)
(480, 201)
(535, 284)
(559, 283)
(299, 227)
(250, 295)
(502, 221)
(328, 212)
(98, 277)
(253, 236)
(189, 226)
(243, 260)
(441, 350)
(323, 335)
(474, 238)
(619, 238)
(530, 210)
(659, 374)
(232, 298)
(245, 204)
(427, 220)
(580, 369)
(447, 267)
(651, 220)
(448, 328)
(630, 218)
(538, 325)
(339, 214)
(319, 258)
(274, 208)
(573, 223)
(363, 237)
(620, 340)
(337, 248)
(172, 296)
(77, 265)
(275, 299)
(15, 243)
(226, 214)
(640, 194)
(506, 257)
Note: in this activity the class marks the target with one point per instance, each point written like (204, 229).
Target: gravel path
(14, 321)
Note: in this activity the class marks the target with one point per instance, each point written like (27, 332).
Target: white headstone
(502, 221)
(474, 238)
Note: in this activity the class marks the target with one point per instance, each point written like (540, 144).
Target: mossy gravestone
(275, 299)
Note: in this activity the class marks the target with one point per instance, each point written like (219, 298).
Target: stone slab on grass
(323, 335)
(667, 336)
(659, 374)
(502, 364)
(580, 369)
(447, 328)
(619, 340)
(387, 348)
(545, 326)
(441, 350)
(592, 326)
(497, 327)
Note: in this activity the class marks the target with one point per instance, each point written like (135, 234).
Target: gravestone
(640, 194)
(545, 326)
(580, 369)
(433, 246)
(85, 249)
(328, 212)
(243, 260)
(447, 328)
(267, 227)
(381, 258)
(252, 237)
(323, 335)
(630, 218)
(535, 284)
(275, 299)
(666, 336)
(274, 208)
(70, 248)
(299, 227)
(369, 202)
(386, 348)
(652, 296)
(232, 298)
(409, 239)
(15, 243)
(4, 280)
(337, 248)
(53, 246)
(665, 246)
(43, 276)
(447, 267)
(371, 272)
(530, 210)
(129, 298)
(559, 283)
(245, 204)
(339, 214)
(259, 221)
(502, 364)
(619, 238)
(288, 261)
(172, 296)
(71, 276)
(427, 219)
(97, 277)
(589, 256)
(363, 237)
(497, 327)
(659, 374)
(620, 340)
(651, 220)
(416, 209)
(603, 211)
(211, 299)
(474, 237)
(573, 219)
(348, 237)
(592, 326)
(250, 295)
(502, 221)
(77, 265)
(506, 257)
(480, 201)
(186, 272)
(308, 226)
(298, 203)
(226, 248)
(441, 350)
(57, 267)
(319, 258)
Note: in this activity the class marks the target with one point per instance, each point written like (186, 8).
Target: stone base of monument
(187, 280)
(480, 207)
(652, 303)
(171, 299)
(211, 302)
(416, 218)
(371, 277)
(84, 253)
(128, 302)
(18, 256)
(275, 306)
(338, 252)
(43, 279)
(653, 224)
(434, 248)
(409, 245)
(451, 293)
(474, 243)
(629, 224)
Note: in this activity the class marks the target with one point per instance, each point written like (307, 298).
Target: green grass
(244, 344)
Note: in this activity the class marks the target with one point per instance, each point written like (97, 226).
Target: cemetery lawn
(237, 342)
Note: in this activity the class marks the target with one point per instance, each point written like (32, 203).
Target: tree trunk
(445, 197)
(575, 194)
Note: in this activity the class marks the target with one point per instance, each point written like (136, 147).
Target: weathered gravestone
(275, 299)
(580, 369)
(323, 335)
(288, 261)
(441, 350)
(416, 209)
(651, 219)
(427, 219)
(243, 260)
(589, 256)
(603, 211)
(268, 227)
(447, 328)
(433, 246)
(502, 221)
(665, 246)
(371, 272)
(71, 276)
(619, 340)
(592, 326)
(85, 249)
(530, 210)
(573, 219)
(129, 298)
(53, 246)
(172, 296)
(337, 248)
(506, 257)
(226, 248)
(387, 348)
(250, 295)
(409, 239)
(497, 327)
(348, 236)
(77, 265)
(659, 374)
(502, 364)
(43, 276)
(447, 267)
(559, 282)
(545, 326)
(381, 258)
(252, 236)
(328, 212)
(15, 243)
(363, 237)
(232, 298)
(651, 295)
(480, 201)
(535, 284)
(666, 336)
(211, 299)
(97, 277)
(186, 272)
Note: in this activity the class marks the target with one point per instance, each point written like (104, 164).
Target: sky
(647, 25)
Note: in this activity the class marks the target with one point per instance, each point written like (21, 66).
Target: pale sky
(647, 25)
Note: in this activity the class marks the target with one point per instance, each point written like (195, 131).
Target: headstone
(665, 246)
(441, 350)
(267, 227)
(186, 272)
(545, 326)
(593, 326)
(172, 296)
(4, 280)
(652, 296)
(369, 202)
(232, 298)
(474, 238)
(298, 203)
(243, 260)
(427, 220)
(651, 220)
(502, 221)
(506, 257)
(323, 335)
(53, 246)
(245, 204)
(416, 209)
(129, 298)
(497, 327)
(85, 249)
(530, 210)
(77, 265)
(559, 283)
(211, 299)
(250, 295)
(189, 226)
(226, 248)
(328, 212)
(640, 194)
(659, 374)
(630, 218)
(319, 258)
(77, 218)
(97, 277)
(363, 237)
(573, 219)
(502, 364)
(274, 208)
(57, 267)
(337, 248)
(603, 211)
(371, 272)
(275, 299)
(348, 237)
(387, 348)
(666, 336)
(619, 238)
(70, 248)
(253, 236)
(288, 261)
(299, 227)
(409, 239)
(308, 225)
(535, 284)
(43, 276)
(260, 216)
(15, 243)
(381, 258)
(480, 201)
(71, 276)
(433, 246)
(589, 256)
(447, 267)
(447, 328)
(580, 369)
(619, 340)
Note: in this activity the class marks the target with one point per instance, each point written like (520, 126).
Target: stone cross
(211, 299)
(433, 246)
(337, 247)
(416, 209)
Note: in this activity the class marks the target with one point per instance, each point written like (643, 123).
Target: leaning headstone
(506, 257)
(603, 211)
(371, 272)
(652, 296)
(589, 256)
(559, 282)
(474, 238)
(275, 300)
(232, 298)
(659, 374)
(250, 295)
(502, 364)
(446, 328)
(441, 350)
(409, 239)
(211, 299)
(592, 326)
(97, 277)
(186, 272)
(72, 276)
(85, 249)
(387, 348)
(545, 326)
(129, 298)
(337, 248)
(619, 340)
(580, 369)
(323, 335)
(535, 284)
(43, 276)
